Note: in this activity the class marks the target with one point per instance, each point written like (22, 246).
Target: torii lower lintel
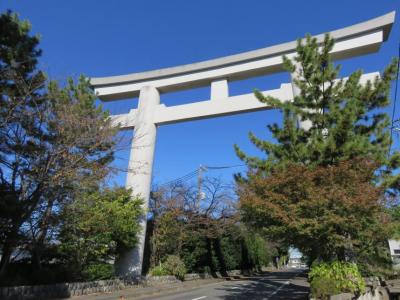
(220, 104)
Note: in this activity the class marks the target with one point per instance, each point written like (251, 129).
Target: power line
(182, 178)
(224, 167)
(195, 173)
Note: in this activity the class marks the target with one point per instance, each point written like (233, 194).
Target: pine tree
(322, 189)
(54, 141)
(346, 116)
(18, 79)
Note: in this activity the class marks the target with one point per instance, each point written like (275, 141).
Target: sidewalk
(140, 292)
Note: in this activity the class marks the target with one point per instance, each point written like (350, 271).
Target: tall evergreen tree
(53, 142)
(348, 140)
(18, 78)
(346, 116)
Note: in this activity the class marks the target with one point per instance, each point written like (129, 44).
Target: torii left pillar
(139, 175)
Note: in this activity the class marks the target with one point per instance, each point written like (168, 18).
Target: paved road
(282, 285)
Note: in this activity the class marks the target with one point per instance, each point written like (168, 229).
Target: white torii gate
(356, 40)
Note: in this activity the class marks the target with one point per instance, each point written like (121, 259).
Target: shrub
(194, 252)
(258, 255)
(159, 271)
(207, 270)
(175, 266)
(98, 271)
(322, 288)
(333, 278)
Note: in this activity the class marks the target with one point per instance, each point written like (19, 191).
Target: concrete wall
(62, 290)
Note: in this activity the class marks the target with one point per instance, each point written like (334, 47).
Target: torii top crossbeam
(355, 40)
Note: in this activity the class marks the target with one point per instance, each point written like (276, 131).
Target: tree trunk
(9, 245)
(210, 256)
(12, 237)
(38, 244)
(245, 264)
(7, 251)
(220, 256)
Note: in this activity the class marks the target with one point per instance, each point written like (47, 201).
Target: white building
(394, 246)
(295, 259)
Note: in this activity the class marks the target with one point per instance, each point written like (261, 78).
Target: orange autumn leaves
(332, 207)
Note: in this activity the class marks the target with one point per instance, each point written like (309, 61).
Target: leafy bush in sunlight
(158, 271)
(328, 279)
(175, 266)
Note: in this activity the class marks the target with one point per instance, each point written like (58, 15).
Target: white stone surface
(139, 173)
(365, 44)
(356, 40)
(219, 89)
(221, 107)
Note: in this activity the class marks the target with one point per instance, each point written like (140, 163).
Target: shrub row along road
(285, 284)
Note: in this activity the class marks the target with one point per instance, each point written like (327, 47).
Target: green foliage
(327, 279)
(282, 261)
(98, 224)
(19, 103)
(159, 271)
(175, 266)
(194, 253)
(24, 273)
(326, 212)
(237, 247)
(168, 236)
(55, 144)
(257, 250)
(347, 117)
(323, 288)
(19, 51)
(323, 188)
(98, 271)
(206, 270)
(231, 251)
(206, 236)
(394, 212)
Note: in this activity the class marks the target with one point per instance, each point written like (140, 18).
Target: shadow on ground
(260, 287)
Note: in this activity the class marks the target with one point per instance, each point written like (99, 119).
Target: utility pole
(199, 185)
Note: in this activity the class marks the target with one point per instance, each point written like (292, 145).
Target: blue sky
(103, 38)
